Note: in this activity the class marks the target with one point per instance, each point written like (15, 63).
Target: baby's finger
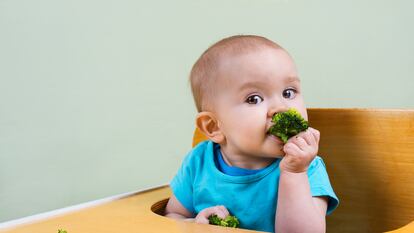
(210, 211)
(309, 138)
(316, 134)
(220, 212)
(224, 210)
(217, 210)
(301, 143)
(202, 217)
(202, 220)
(291, 148)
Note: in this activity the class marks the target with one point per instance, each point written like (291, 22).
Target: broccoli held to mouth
(288, 124)
(229, 221)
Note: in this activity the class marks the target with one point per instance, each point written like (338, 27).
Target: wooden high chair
(369, 155)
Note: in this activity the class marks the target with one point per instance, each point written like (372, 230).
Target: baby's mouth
(268, 127)
(276, 138)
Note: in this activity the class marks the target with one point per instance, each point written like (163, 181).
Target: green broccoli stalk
(229, 221)
(62, 231)
(288, 124)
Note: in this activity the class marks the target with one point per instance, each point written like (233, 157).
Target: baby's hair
(204, 73)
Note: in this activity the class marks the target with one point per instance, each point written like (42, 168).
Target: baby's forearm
(296, 211)
(179, 216)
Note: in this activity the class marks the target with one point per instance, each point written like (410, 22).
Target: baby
(238, 84)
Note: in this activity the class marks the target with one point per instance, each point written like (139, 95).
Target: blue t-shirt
(252, 198)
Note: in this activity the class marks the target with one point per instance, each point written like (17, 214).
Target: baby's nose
(276, 109)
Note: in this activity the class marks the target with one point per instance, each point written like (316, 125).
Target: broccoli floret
(229, 221)
(288, 124)
(62, 231)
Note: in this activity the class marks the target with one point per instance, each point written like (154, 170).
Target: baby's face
(251, 89)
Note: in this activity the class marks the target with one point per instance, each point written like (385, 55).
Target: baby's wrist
(291, 169)
(293, 177)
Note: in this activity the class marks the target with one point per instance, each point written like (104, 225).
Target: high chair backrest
(369, 155)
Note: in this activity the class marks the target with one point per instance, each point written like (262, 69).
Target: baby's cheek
(304, 114)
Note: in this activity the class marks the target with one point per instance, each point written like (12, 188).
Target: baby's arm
(297, 210)
(175, 209)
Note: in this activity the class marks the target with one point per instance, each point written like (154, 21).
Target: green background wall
(94, 98)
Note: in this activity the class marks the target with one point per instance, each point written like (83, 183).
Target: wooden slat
(369, 155)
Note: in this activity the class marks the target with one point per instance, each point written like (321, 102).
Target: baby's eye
(289, 93)
(254, 99)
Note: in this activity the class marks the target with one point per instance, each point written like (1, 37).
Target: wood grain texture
(369, 155)
(130, 214)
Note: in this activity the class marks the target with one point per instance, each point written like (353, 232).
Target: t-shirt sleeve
(182, 184)
(320, 184)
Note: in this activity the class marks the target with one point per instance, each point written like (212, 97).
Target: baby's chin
(279, 155)
(276, 153)
(277, 147)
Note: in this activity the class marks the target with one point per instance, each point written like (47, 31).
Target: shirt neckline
(231, 170)
(237, 179)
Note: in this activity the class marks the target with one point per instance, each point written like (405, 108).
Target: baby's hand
(300, 150)
(220, 211)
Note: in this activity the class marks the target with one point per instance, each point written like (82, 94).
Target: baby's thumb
(202, 217)
(202, 220)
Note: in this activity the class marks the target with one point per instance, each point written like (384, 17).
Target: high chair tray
(136, 213)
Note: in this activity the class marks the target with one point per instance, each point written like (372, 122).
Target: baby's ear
(207, 123)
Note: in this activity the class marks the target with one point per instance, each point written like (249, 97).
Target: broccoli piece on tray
(288, 124)
(229, 221)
